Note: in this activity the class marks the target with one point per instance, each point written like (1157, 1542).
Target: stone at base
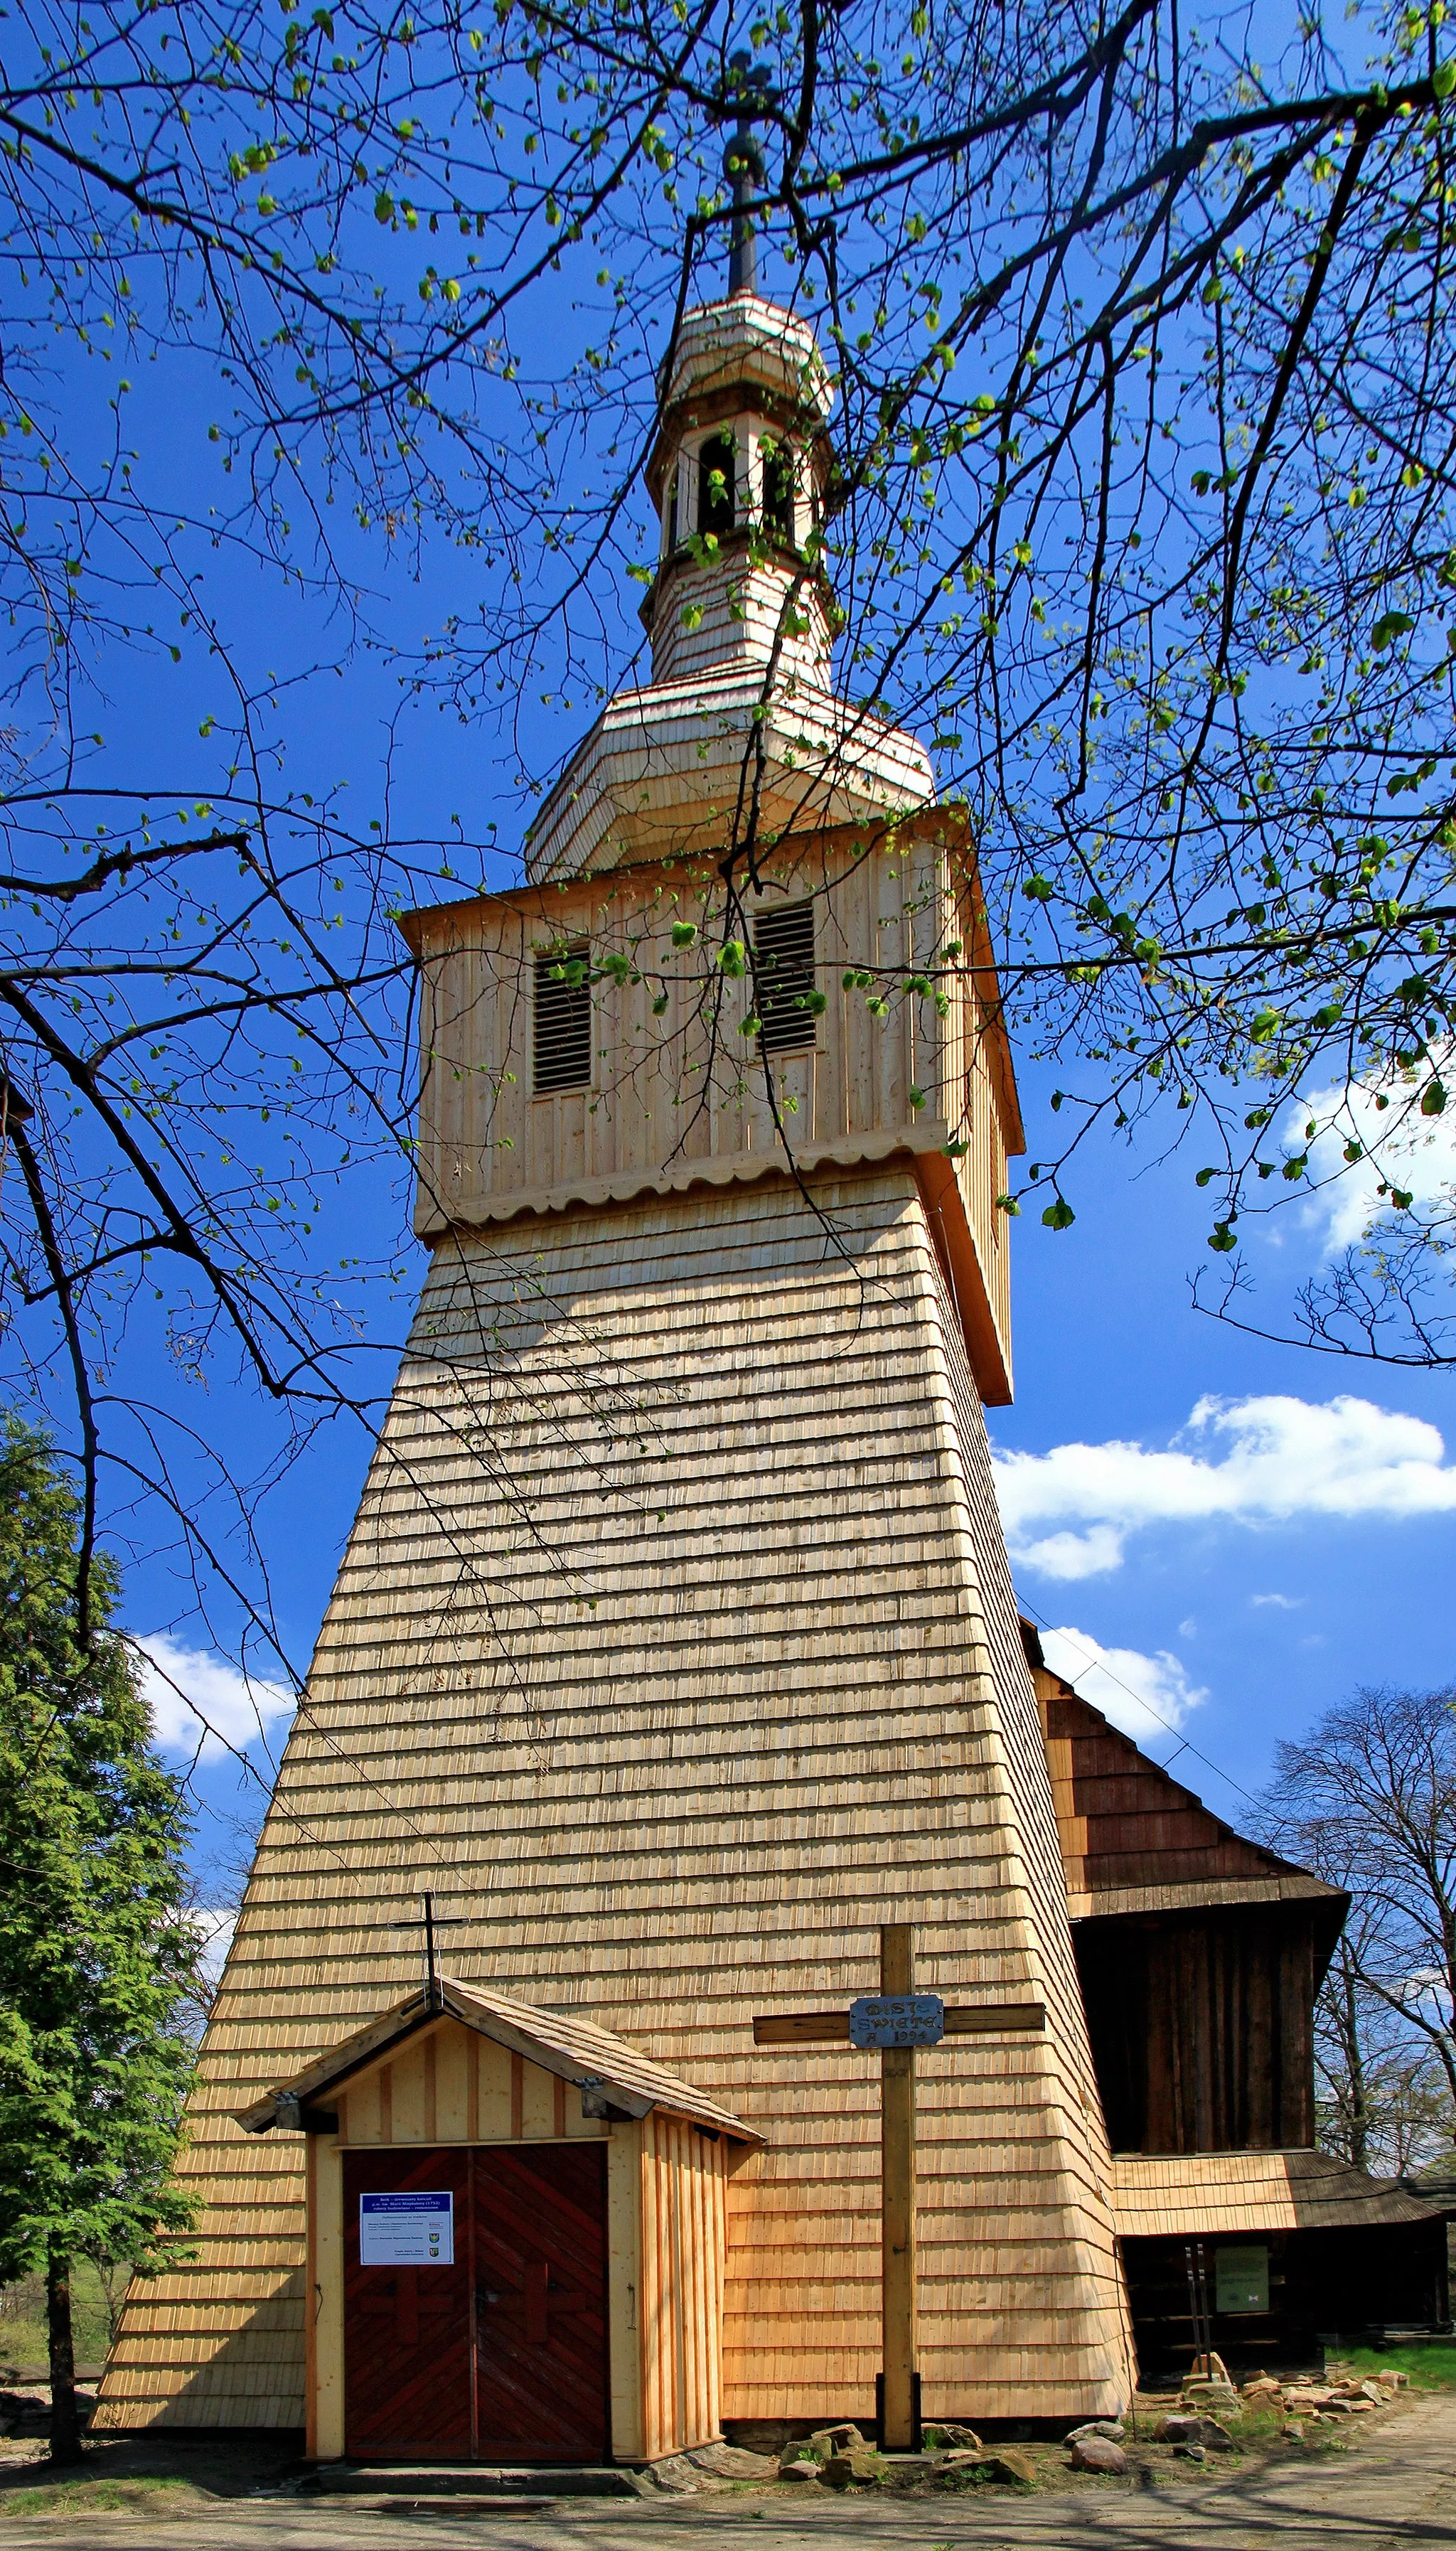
(1099, 2454)
(857, 2469)
(1181, 2427)
(998, 2462)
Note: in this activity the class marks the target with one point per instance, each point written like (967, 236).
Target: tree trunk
(65, 2428)
(1359, 2104)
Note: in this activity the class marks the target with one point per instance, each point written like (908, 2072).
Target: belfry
(674, 1652)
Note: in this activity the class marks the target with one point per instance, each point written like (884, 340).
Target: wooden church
(762, 2074)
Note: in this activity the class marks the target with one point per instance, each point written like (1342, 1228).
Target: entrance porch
(515, 2239)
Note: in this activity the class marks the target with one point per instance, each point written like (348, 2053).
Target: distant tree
(96, 1950)
(1381, 2097)
(1368, 1799)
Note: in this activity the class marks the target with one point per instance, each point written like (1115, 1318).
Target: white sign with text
(409, 2227)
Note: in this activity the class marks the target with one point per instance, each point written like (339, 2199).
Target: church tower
(674, 1651)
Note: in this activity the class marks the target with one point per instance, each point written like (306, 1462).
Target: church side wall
(661, 1645)
(1092, 2268)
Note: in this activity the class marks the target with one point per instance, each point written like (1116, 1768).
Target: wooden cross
(430, 1923)
(896, 2031)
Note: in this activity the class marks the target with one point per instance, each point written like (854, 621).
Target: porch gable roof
(573, 2049)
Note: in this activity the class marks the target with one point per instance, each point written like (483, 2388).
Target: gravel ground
(1389, 2482)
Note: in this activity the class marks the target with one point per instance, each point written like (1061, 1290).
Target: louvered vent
(561, 1052)
(783, 976)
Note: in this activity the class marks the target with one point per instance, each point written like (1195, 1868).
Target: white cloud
(1415, 1152)
(215, 1930)
(1276, 1602)
(1143, 1695)
(1067, 1514)
(195, 1697)
(1070, 1555)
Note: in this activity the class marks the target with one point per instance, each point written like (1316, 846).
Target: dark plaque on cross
(896, 2021)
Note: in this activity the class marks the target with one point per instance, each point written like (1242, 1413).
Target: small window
(779, 489)
(783, 976)
(561, 1054)
(717, 468)
(672, 512)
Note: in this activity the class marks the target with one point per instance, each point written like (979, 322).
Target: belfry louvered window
(783, 976)
(779, 489)
(562, 1042)
(717, 471)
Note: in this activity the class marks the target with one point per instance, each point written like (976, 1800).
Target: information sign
(1241, 2278)
(408, 2228)
(898, 2019)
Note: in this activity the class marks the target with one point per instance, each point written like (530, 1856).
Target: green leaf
(1443, 78)
(1433, 1099)
(1221, 1238)
(683, 932)
(1059, 1215)
(1039, 889)
(733, 958)
(1390, 626)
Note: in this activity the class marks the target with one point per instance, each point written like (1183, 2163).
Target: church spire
(740, 610)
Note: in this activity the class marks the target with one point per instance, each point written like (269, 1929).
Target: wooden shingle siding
(674, 1648)
(683, 1097)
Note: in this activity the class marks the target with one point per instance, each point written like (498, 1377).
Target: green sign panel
(1241, 2278)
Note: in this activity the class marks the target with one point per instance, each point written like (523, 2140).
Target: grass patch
(98, 2498)
(1432, 2365)
(23, 2317)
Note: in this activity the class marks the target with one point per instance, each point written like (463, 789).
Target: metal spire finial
(752, 98)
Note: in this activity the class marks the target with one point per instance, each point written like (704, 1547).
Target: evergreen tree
(96, 1952)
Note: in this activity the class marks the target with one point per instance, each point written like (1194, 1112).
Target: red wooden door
(541, 2351)
(407, 2329)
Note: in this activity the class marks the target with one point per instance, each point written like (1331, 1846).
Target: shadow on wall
(252, 2381)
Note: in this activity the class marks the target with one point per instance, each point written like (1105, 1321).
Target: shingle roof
(561, 2044)
(1133, 1839)
(1255, 2192)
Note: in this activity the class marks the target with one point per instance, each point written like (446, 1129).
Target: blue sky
(1294, 1553)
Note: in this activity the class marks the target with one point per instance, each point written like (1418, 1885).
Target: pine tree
(96, 1952)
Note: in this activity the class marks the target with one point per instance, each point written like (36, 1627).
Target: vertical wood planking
(325, 2302)
(312, 2289)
